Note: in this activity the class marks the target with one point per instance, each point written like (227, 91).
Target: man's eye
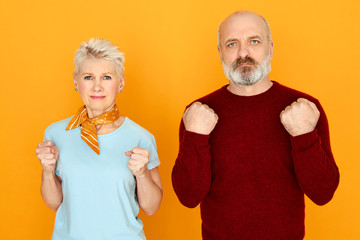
(87, 77)
(107, 77)
(231, 44)
(254, 42)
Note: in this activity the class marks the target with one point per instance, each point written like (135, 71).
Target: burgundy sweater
(249, 175)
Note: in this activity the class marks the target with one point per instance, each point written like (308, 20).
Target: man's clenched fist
(199, 118)
(300, 117)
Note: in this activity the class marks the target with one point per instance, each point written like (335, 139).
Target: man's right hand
(48, 154)
(199, 118)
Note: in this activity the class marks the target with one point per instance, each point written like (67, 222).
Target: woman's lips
(97, 97)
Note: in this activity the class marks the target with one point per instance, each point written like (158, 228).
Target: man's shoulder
(212, 97)
(292, 93)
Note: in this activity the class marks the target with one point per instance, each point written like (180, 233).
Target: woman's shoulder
(58, 126)
(136, 128)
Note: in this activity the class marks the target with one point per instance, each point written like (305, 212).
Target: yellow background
(171, 59)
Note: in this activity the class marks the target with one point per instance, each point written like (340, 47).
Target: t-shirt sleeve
(148, 142)
(47, 135)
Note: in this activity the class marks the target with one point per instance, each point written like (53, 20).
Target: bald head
(245, 48)
(237, 17)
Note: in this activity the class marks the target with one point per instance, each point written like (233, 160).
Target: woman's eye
(107, 77)
(87, 77)
(254, 42)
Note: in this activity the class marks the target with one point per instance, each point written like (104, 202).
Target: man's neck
(242, 90)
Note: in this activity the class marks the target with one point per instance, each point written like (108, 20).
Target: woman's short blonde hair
(97, 48)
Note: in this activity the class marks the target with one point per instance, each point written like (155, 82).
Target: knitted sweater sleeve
(315, 168)
(191, 174)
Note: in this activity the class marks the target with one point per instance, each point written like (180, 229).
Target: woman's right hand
(48, 154)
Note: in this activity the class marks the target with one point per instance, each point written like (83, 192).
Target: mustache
(241, 60)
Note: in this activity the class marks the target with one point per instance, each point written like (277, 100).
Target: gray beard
(248, 78)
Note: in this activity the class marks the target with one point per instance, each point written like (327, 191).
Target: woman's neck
(108, 128)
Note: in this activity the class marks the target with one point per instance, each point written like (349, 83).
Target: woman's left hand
(138, 161)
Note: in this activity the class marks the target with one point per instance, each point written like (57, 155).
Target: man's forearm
(191, 175)
(316, 171)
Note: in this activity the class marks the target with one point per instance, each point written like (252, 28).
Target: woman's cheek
(114, 88)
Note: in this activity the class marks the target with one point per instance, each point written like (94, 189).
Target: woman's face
(98, 85)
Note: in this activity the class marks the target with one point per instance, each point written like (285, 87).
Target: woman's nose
(97, 85)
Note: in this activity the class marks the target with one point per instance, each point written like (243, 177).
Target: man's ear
(271, 49)
(219, 50)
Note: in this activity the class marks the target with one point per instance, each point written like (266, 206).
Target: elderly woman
(99, 167)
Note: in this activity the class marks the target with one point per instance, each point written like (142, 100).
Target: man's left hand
(300, 117)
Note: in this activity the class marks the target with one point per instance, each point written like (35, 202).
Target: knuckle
(195, 105)
(283, 114)
(282, 119)
(301, 99)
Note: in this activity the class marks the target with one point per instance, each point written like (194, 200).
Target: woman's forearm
(51, 190)
(149, 191)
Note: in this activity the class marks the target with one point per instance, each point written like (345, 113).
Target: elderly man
(250, 150)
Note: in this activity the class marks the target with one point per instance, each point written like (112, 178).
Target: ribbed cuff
(304, 141)
(191, 139)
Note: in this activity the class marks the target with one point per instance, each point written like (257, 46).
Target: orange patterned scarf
(88, 130)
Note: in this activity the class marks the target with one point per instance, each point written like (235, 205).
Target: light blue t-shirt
(99, 191)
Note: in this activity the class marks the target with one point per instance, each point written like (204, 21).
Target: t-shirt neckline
(116, 130)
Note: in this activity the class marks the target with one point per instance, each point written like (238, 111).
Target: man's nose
(243, 51)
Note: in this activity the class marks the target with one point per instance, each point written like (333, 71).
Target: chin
(97, 108)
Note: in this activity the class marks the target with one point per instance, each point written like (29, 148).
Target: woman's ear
(75, 83)
(122, 82)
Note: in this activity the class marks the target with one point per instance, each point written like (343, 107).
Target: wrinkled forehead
(242, 25)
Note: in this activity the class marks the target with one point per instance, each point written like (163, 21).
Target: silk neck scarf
(88, 129)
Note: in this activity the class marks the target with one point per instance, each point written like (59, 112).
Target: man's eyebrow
(255, 36)
(231, 40)
(251, 37)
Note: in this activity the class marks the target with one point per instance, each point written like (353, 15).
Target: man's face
(245, 49)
